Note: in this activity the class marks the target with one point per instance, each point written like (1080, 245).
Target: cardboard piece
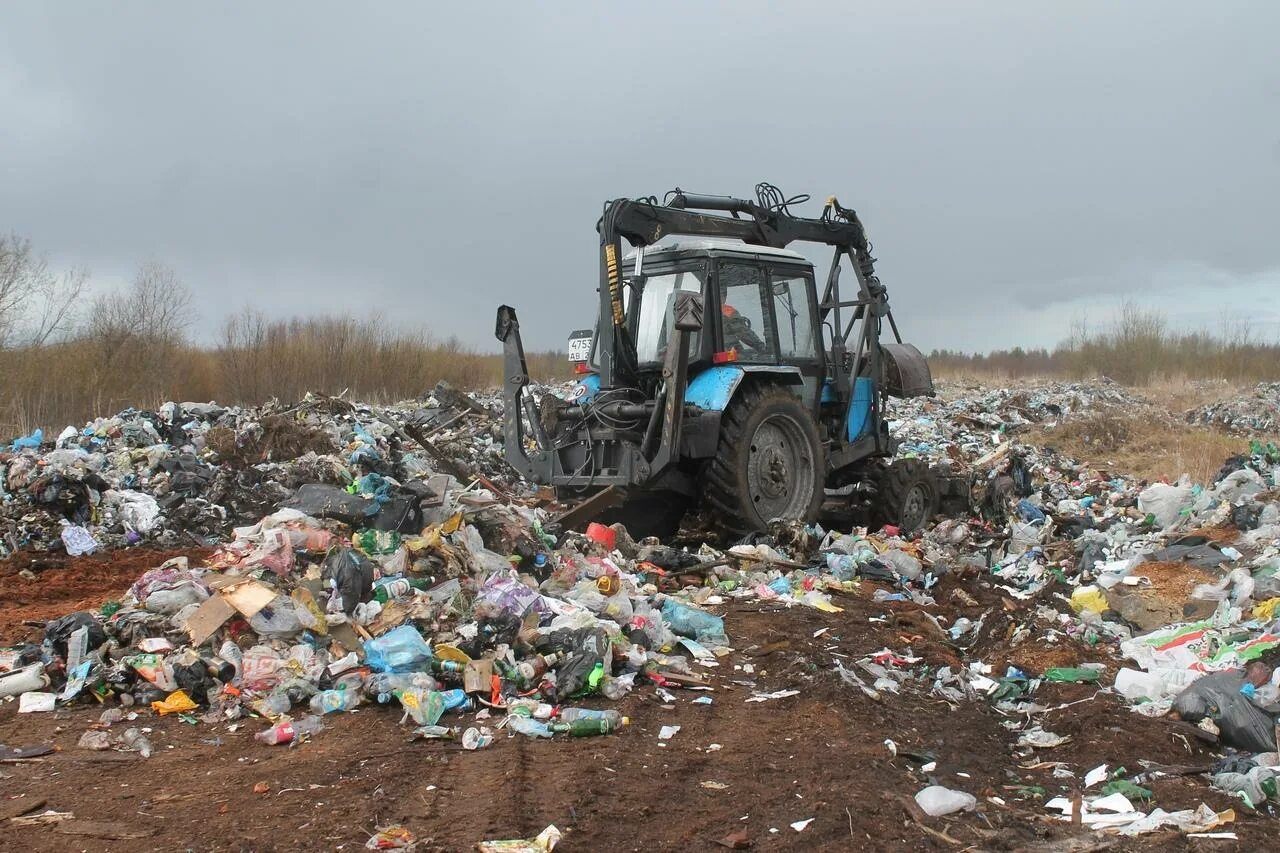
(477, 677)
(249, 597)
(209, 617)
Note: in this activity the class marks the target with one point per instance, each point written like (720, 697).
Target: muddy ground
(735, 767)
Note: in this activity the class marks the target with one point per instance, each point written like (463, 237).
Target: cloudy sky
(1018, 165)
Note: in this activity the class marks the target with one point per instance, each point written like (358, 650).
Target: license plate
(580, 346)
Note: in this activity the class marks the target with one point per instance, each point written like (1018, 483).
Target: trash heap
(190, 472)
(386, 579)
(1247, 414)
(964, 420)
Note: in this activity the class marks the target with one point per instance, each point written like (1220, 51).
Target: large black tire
(906, 495)
(769, 462)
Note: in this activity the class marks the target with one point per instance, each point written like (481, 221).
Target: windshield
(651, 325)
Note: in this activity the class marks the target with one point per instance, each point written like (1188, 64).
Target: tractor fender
(713, 388)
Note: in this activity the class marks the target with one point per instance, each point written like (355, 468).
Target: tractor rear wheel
(906, 495)
(769, 463)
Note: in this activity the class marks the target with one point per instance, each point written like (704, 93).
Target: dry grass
(74, 381)
(1151, 448)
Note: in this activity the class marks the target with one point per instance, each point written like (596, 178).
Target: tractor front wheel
(769, 463)
(906, 495)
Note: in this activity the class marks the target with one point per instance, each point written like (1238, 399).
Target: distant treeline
(1137, 348)
(66, 358)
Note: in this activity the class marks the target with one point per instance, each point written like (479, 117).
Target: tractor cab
(760, 309)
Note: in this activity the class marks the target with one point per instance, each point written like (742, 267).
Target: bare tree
(137, 332)
(36, 304)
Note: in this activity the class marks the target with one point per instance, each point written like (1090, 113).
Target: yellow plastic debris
(1266, 611)
(176, 702)
(1088, 599)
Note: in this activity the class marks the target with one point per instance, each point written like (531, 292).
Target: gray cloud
(429, 162)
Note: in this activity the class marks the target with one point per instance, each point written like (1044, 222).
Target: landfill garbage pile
(193, 471)
(1252, 413)
(965, 420)
(472, 619)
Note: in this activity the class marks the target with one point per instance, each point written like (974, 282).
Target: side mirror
(505, 322)
(686, 311)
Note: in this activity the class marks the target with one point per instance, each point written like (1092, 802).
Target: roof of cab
(715, 245)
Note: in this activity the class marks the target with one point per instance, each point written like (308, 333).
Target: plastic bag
(936, 801)
(260, 669)
(1165, 502)
(280, 618)
(508, 594)
(423, 705)
(1241, 723)
(401, 649)
(690, 622)
(177, 702)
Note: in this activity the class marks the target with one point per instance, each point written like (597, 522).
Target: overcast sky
(1016, 164)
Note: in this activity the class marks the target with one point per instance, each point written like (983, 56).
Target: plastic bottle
(397, 588)
(572, 715)
(232, 654)
(288, 732)
(329, 701)
(588, 727)
(530, 671)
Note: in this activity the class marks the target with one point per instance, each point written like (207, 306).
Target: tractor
(719, 375)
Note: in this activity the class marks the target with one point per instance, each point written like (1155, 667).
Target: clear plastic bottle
(329, 701)
(571, 715)
(290, 731)
(588, 726)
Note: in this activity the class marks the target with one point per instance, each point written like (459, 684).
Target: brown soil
(40, 587)
(819, 755)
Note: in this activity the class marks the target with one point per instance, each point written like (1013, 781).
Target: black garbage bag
(321, 501)
(401, 512)
(195, 679)
(1240, 722)
(57, 632)
(583, 649)
(352, 574)
(1246, 516)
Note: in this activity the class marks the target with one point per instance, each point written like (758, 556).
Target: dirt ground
(35, 588)
(751, 768)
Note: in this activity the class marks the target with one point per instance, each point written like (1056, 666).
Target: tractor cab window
(744, 314)
(795, 316)
(651, 321)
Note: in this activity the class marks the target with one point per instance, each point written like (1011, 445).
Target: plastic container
(288, 732)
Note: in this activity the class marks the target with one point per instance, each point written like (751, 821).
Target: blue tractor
(720, 375)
